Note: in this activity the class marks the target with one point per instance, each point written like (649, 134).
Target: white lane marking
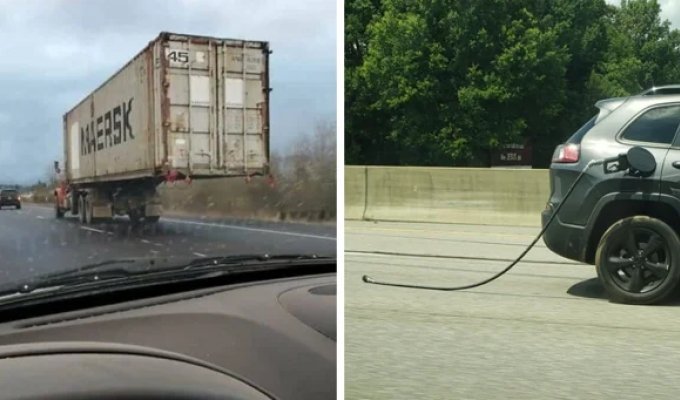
(40, 217)
(92, 229)
(37, 205)
(243, 228)
(158, 244)
(199, 254)
(145, 241)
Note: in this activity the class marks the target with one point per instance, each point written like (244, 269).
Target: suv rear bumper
(566, 240)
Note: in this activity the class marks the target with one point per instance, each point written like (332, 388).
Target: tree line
(446, 82)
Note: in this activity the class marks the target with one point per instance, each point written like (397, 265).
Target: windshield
(164, 133)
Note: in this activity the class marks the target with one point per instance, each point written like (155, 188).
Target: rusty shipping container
(195, 105)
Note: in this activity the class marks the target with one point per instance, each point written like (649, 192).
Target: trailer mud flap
(102, 211)
(153, 210)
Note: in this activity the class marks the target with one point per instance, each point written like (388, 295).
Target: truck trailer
(185, 107)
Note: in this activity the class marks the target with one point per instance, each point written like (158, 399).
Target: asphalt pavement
(33, 241)
(543, 331)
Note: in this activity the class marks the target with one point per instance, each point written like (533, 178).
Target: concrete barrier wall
(451, 195)
(355, 192)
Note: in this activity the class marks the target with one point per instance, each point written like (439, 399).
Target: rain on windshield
(172, 130)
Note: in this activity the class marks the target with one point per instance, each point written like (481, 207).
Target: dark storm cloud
(53, 53)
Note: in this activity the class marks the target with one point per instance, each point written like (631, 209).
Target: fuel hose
(369, 280)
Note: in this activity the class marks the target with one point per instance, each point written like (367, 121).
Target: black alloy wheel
(638, 260)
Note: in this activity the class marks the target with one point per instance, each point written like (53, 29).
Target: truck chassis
(93, 202)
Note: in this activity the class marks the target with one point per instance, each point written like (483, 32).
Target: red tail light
(567, 153)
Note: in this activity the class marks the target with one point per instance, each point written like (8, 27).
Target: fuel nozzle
(615, 164)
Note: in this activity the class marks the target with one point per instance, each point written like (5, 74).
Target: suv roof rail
(661, 90)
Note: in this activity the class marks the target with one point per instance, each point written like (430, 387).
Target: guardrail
(450, 195)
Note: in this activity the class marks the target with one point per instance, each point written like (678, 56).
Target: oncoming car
(10, 198)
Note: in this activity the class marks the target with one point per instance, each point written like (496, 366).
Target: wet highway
(32, 241)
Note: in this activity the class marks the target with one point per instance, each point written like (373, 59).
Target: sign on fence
(513, 155)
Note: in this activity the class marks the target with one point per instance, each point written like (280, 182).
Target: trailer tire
(81, 209)
(135, 217)
(75, 205)
(58, 212)
(153, 219)
(89, 212)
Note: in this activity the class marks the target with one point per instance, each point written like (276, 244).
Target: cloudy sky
(54, 52)
(670, 10)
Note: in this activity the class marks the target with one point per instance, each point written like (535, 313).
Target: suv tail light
(567, 153)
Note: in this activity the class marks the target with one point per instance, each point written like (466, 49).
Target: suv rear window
(9, 192)
(657, 125)
(581, 132)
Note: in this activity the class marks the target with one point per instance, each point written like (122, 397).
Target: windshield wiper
(251, 258)
(125, 269)
(140, 275)
(103, 270)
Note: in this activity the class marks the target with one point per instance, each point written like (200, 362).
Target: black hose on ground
(370, 280)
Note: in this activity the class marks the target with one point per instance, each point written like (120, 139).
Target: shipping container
(192, 104)
(185, 106)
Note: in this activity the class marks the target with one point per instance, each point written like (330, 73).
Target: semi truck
(185, 107)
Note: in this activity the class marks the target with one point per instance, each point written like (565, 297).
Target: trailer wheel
(75, 205)
(135, 217)
(153, 219)
(58, 212)
(81, 209)
(89, 212)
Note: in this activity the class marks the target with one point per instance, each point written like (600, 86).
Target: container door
(243, 106)
(191, 144)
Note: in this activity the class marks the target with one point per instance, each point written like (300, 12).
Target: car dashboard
(256, 340)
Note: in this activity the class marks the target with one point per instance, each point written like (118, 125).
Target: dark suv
(10, 197)
(625, 224)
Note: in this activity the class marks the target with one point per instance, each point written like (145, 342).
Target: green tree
(365, 125)
(643, 51)
(581, 27)
(443, 82)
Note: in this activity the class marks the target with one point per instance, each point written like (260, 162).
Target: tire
(89, 212)
(75, 205)
(152, 220)
(18, 207)
(135, 217)
(81, 209)
(638, 261)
